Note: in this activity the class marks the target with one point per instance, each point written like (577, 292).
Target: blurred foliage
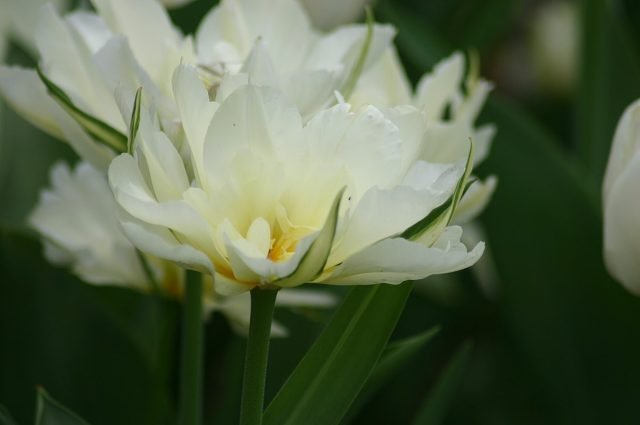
(557, 344)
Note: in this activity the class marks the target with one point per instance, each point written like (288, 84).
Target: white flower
(274, 200)
(450, 102)
(77, 220)
(555, 36)
(328, 14)
(621, 202)
(87, 57)
(175, 3)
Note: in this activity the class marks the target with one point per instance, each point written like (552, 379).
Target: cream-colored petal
(398, 260)
(626, 142)
(621, 231)
(436, 90)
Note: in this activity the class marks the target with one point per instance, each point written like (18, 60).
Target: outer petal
(77, 218)
(23, 90)
(437, 89)
(475, 200)
(621, 231)
(397, 260)
(626, 142)
(92, 29)
(67, 61)
(195, 112)
(329, 14)
(146, 25)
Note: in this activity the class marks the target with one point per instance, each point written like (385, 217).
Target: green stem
(192, 337)
(255, 366)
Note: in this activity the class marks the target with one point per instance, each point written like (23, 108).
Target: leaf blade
(334, 370)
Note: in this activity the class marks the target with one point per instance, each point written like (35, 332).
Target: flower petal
(398, 260)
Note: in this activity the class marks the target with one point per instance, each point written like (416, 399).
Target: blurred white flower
(126, 45)
(621, 202)
(276, 201)
(554, 46)
(328, 14)
(18, 19)
(450, 102)
(77, 220)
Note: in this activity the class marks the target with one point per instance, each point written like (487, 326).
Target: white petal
(398, 260)
(328, 14)
(626, 142)
(67, 62)
(305, 298)
(24, 92)
(436, 90)
(385, 84)
(621, 232)
(147, 27)
(159, 242)
(92, 29)
(195, 112)
(77, 216)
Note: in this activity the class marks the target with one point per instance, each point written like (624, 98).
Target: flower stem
(255, 366)
(192, 337)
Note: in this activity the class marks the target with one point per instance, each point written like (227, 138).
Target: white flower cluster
(261, 152)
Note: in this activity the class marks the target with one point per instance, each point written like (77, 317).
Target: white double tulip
(269, 199)
(621, 202)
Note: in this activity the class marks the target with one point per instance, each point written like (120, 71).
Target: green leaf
(135, 121)
(441, 216)
(5, 417)
(395, 356)
(356, 72)
(314, 260)
(100, 131)
(51, 412)
(575, 327)
(334, 370)
(608, 81)
(435, 406)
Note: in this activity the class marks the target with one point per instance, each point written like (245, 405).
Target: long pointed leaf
(394, 357)
(100, 131)
(336, 367)
(436, 404)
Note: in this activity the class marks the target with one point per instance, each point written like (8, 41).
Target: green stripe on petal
(440, 217)
(100, 131)
(135, 121)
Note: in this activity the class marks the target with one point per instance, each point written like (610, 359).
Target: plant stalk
(255, 367)
(192, 356)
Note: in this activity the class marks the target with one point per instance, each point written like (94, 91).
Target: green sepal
(100, 131)
(135, 121)
(309, 268)
(51, 412)
(440, 217)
